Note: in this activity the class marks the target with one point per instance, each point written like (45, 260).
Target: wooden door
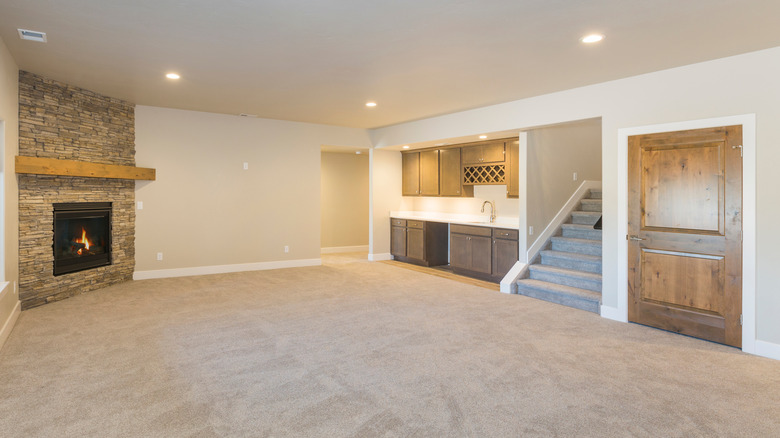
(415, 243)
(685, 228)
(398, 241)
(410, 169)
(429, 173)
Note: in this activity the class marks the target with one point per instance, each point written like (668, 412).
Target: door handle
(634, 238)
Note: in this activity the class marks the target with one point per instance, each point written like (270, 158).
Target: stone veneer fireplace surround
(63, 122)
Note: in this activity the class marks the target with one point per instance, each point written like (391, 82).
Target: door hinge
(740, 319)
(740, 148)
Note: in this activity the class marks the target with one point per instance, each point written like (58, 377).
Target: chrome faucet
(492, 210)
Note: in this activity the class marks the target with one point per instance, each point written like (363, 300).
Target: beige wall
(385, 186)
(344, 198)
(9, 118)
(554, 154)
(205, 210)
(744, 84)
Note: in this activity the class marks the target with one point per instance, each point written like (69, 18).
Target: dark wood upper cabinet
(451, 174)
(410, 168)
(429, 173)
(492, 152)
(512, 164)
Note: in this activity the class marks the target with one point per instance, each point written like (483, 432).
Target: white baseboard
(380, 257)
(561, 217)
(613, 313)
(224, 269)
(338, 249)
(509, 282)
(10, 321)
(768, 349)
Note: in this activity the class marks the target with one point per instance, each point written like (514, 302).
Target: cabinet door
(481, 254)
(512, 164)
(415, 243)
(493, 152)
(460, 254)
(411, 173)
(472, 154)
(429, 173)
(504, 256)
(450, 179)
(398, 241)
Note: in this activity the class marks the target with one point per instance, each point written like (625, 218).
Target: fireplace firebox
(82, 236)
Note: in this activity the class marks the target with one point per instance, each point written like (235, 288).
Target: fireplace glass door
(82, 236)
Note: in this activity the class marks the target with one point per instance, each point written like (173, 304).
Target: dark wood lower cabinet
(419, 242)
(505, 254)
(482, 252)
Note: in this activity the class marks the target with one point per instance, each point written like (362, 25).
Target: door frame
(748, 122)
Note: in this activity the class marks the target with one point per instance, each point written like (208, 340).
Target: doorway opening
(344, 205)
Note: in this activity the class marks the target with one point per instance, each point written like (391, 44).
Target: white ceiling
(320, 61)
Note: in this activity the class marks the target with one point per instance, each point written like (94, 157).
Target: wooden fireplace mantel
(53, 166)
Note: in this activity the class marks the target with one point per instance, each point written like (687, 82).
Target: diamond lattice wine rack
(485, 174)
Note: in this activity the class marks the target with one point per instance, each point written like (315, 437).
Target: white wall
(554, 154)
(344, 199)
(9, 143)
(205, 210)
(505, 207)
(748, 83)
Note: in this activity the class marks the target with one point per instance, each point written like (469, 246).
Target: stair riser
(583, 234)
(583, 219)
(565, 300)
(578, 248)
(595, 194)
(572, 264)
(588, 206)
(581, 283)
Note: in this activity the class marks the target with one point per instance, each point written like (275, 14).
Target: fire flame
(83, 240)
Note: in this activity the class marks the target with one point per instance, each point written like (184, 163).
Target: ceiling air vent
(32, 35)
(247, 115)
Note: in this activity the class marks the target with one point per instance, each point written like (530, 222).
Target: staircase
(568, 271)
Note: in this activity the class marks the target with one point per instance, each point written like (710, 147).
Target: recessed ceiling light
(483, 137)
(358, 152)
(32, 35)
(370, 104)
(172, 76)
(406, 146)
(592, 38)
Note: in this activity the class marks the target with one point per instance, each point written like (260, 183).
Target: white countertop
(479, 220)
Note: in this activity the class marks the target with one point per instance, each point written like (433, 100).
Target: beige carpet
(363, 350)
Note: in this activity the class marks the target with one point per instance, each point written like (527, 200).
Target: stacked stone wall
(61, 121)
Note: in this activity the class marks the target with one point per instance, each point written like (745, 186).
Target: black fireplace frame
(81, 210)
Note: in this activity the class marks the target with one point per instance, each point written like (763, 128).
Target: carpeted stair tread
(572, 256)
(576, 245)
(566, 272)
(594, 194)
(585, 217)
(560, 294)
(567, 277)
(581, 231)
(590, 242)
(591, 205)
